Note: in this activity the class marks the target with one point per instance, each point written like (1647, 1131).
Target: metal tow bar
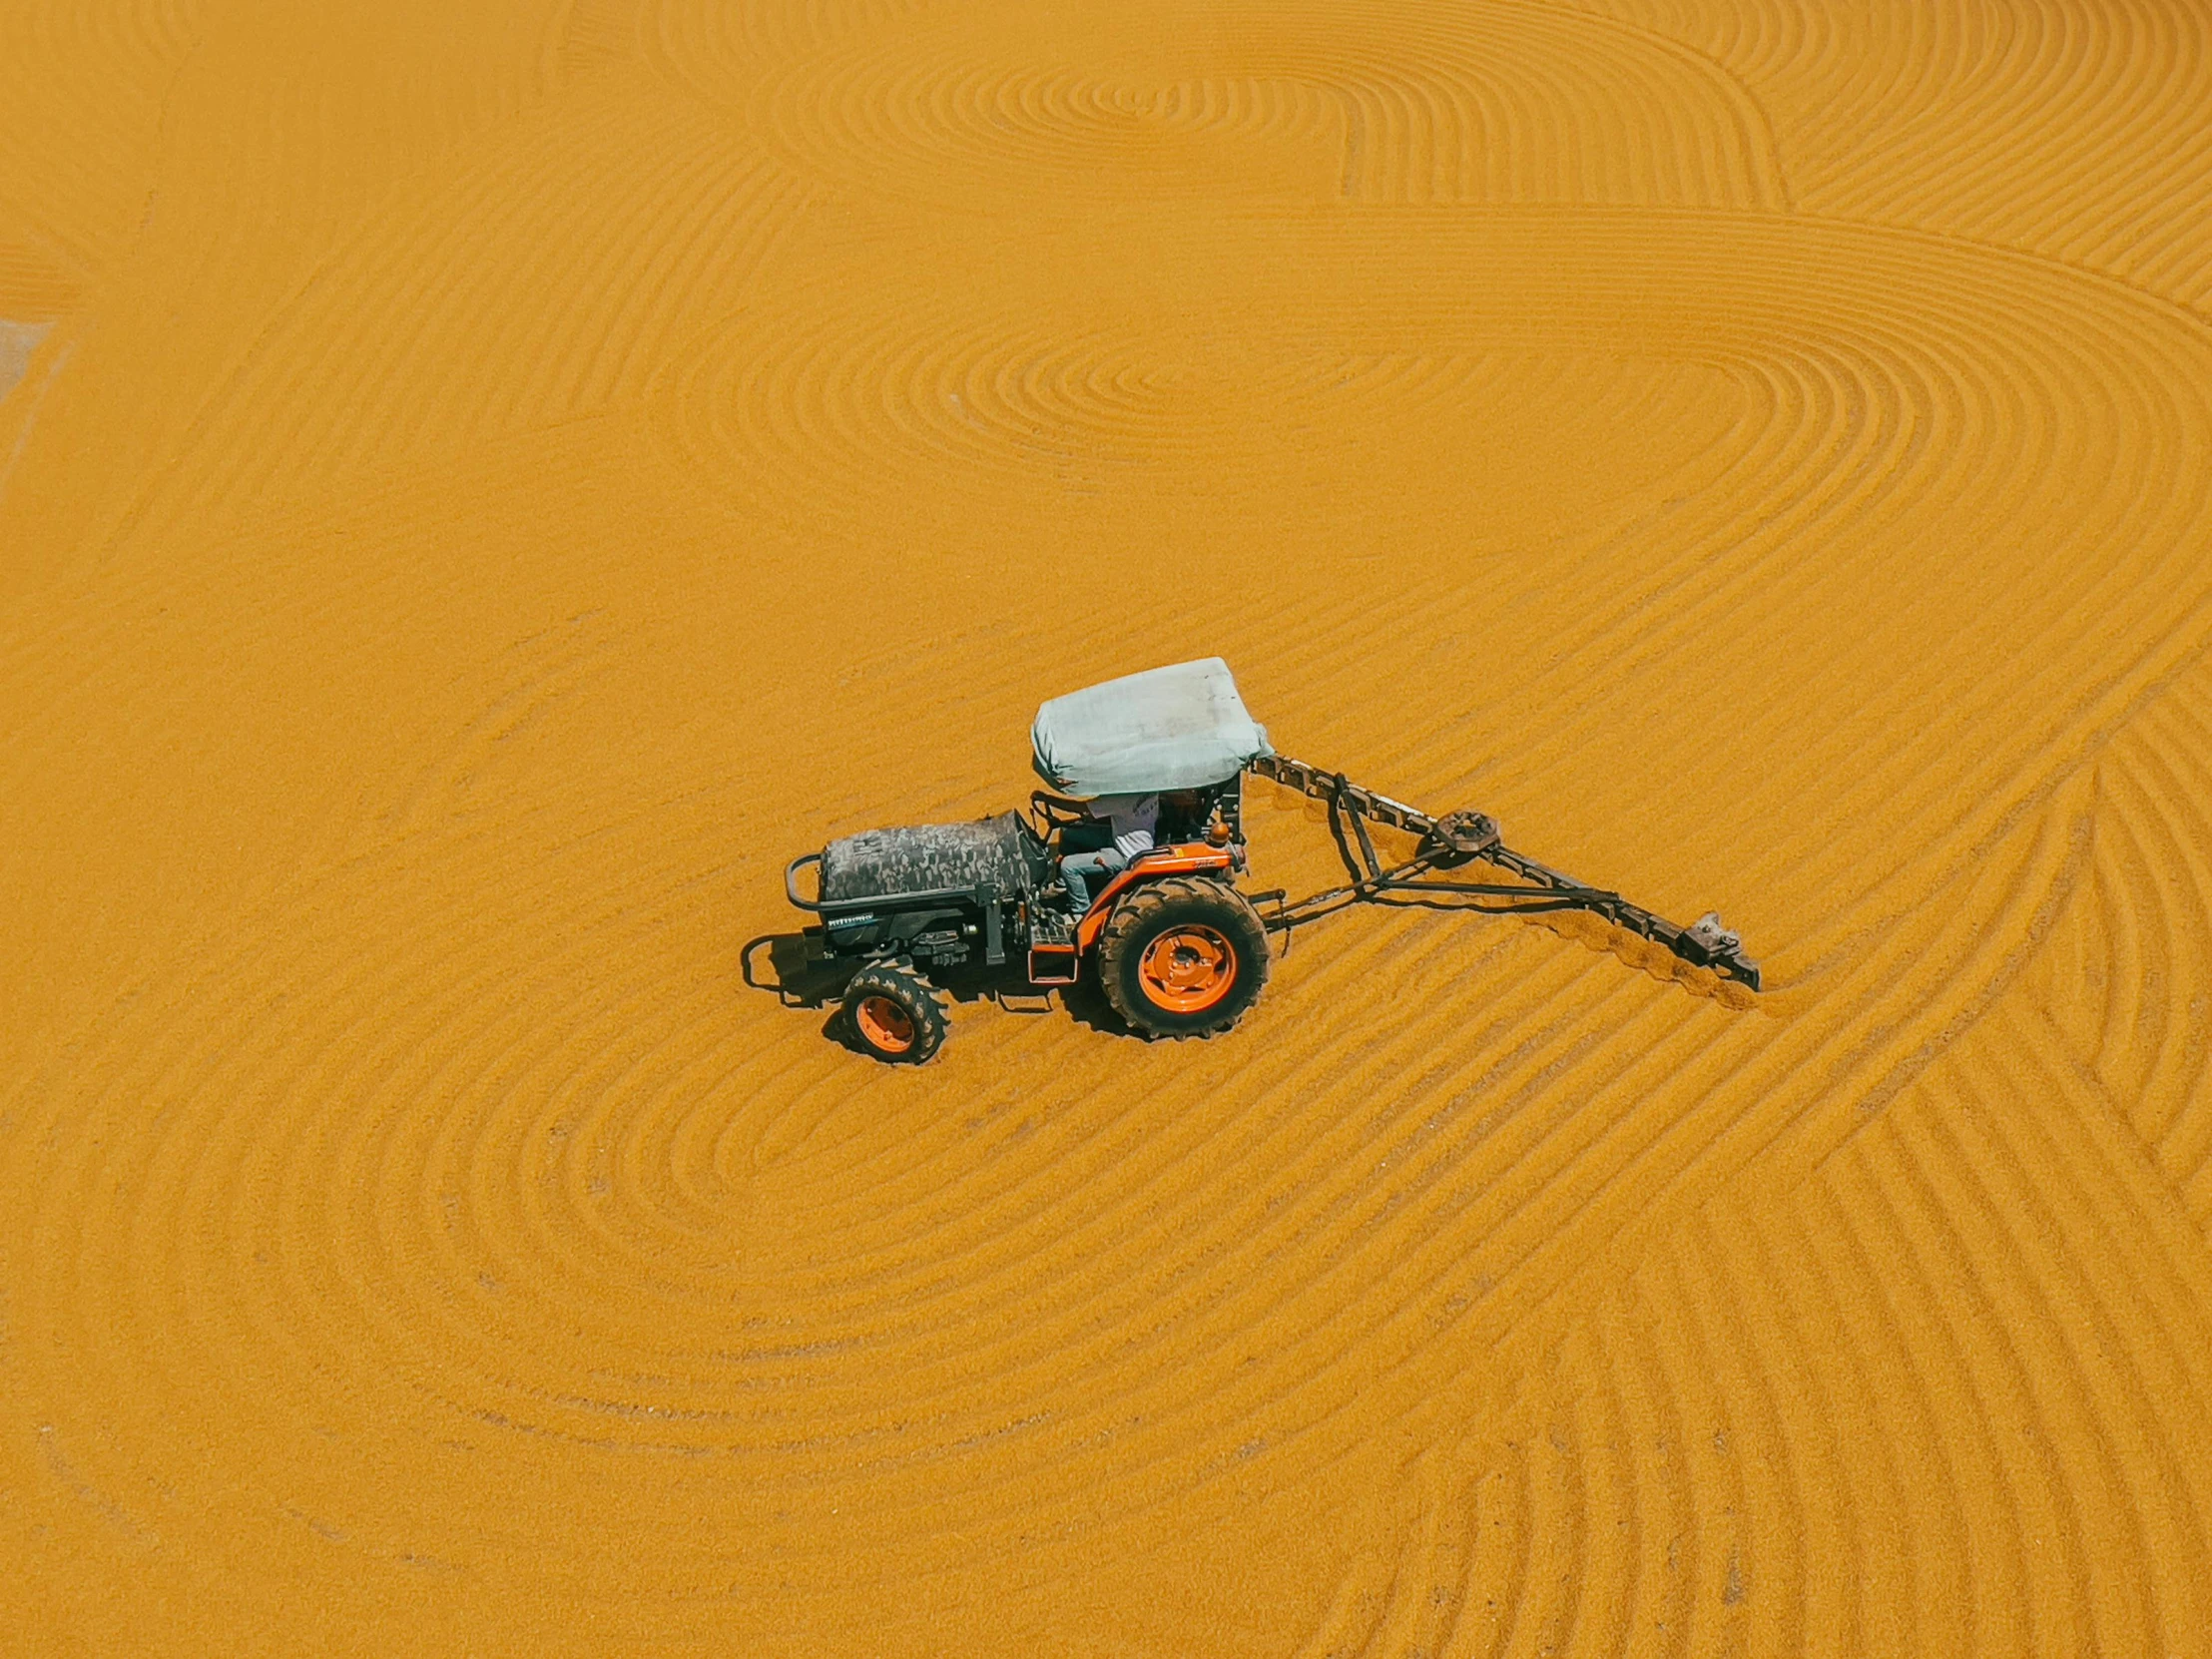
(1452, 841)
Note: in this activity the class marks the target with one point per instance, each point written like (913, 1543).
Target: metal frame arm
(1456, 840)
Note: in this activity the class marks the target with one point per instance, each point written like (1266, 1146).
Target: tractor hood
(932, 857)
(1178, 728)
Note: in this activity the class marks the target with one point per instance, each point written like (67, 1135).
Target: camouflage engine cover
(888, 863)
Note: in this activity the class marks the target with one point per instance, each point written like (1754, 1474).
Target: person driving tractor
(1129, 823)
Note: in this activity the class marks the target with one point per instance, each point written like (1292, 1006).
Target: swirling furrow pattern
(508, 482)
(2073, 131)
(1739, 1495)
(691, 227)
(1493, 102)
(486, 1263)
(2124, 978)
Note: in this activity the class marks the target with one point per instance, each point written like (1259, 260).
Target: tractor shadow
(786, 966)
(793, 973)
(1086, 1004)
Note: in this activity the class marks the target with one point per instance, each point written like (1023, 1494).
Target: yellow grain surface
(481, 486)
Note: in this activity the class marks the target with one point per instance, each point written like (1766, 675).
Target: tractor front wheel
(1183, 956)
(894, 1014)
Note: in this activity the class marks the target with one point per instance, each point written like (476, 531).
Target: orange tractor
(1172, 943)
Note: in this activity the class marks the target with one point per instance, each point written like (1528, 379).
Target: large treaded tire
(1143, 932)
(893, 1014)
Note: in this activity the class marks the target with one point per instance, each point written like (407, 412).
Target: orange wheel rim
(885, 1024)
(1188, 969)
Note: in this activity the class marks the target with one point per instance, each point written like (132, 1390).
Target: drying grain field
(481, 486)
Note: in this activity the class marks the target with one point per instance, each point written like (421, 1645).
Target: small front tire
(893, 1014)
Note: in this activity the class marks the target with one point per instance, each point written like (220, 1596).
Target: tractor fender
(1186, 859)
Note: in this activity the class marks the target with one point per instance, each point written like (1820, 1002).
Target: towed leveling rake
(1448, 845)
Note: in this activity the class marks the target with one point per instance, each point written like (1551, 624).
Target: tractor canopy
(1178, 728)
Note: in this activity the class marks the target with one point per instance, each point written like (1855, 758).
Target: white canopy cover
(1178, 728)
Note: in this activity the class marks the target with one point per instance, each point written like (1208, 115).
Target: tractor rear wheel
(1183, 956)
(894, 1014)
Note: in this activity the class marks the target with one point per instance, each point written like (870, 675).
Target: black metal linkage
(1456, 840)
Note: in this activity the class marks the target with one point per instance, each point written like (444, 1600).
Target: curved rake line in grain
(1758, 45)
(986, 406)
(2091, 1383)
(1934, 1297)
(80, 148)
(2160, 790)
(1663, 1384)
(1421, 1604)
(709, 50)
(1764, 1434)
(1756, 138)
(2141, 1372)
(1837, 1585)
(1513, 1513)
(1768, 1570)
(1441, 115)
(2083, 1388)
(2112, 1189)
(2139, 938)
(1652, 1403)
(441, 309)
(1349, 1623)
(1923, 1520)
(2089, 92)
(1715, 1451)
(1613, 1555)
(1545, 1612)
(1906, 117)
